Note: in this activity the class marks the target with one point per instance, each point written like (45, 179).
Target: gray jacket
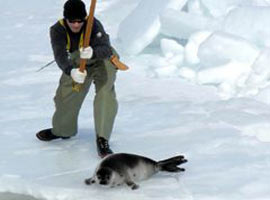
(99, 42)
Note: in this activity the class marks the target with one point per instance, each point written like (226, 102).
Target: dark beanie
(74, 9)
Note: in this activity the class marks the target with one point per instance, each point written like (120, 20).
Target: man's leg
(105, 103)
(68, 104)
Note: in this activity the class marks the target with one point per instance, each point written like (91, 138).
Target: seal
(123, 168)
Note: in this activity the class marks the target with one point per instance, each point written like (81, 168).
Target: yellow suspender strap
(61, 21)
(81, 40)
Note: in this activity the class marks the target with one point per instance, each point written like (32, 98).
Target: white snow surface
(206, 96)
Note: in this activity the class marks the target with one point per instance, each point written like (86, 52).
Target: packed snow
(198, 85)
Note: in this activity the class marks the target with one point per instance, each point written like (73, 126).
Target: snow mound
(142, 25)
(221, 47)
(182, 24)
(250, 23)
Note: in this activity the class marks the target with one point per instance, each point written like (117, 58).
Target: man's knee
(106, 92)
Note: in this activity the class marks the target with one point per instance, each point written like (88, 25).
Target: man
(67, 39)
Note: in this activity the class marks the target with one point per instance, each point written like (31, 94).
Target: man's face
(75, 25)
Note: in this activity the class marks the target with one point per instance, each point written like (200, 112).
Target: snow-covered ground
(198, 85)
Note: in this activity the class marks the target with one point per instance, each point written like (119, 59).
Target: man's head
(75, 13)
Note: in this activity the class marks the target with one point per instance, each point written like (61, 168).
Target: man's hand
(77, 76)
(86, 53)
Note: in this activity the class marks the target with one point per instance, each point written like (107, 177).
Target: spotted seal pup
(122, 168)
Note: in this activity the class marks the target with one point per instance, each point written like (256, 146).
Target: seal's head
(104, 176)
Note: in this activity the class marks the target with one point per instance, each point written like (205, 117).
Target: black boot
(103, 147)
(46, 135)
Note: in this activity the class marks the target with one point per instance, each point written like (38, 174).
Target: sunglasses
(75, 21)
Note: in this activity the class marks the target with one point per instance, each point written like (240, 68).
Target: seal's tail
(171, 164)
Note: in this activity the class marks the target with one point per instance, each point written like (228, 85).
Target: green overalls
(69, 102)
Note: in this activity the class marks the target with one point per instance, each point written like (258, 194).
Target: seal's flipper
(170, 165)
(132, 185)
(89, 181)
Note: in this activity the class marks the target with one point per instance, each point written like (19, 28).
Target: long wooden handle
(89, 26)
(90, 20)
